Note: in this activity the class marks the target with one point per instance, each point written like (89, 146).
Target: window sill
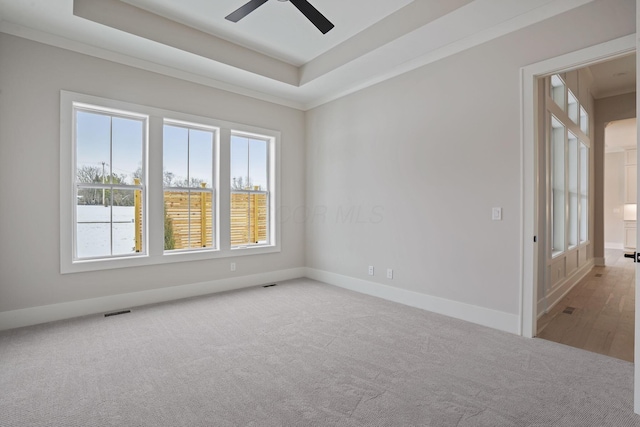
(253, 250)
(167, 258)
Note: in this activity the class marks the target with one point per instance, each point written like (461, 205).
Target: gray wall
(614, 200)
(31, 78)
(434, 150)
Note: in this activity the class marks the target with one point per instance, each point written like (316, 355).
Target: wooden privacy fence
(249, 218)
(189, 220)
(137, 212)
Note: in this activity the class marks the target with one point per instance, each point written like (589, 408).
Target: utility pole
(104, 202)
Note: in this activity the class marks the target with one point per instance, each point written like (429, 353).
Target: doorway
(531, 223)
(592, 308)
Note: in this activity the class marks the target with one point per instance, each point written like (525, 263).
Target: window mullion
(248, 184)
(188, 185)
(579, 192)
(110, 183)
(225, 192)
(549, 186)
(270, 170)
(567, 194)
(155, 190)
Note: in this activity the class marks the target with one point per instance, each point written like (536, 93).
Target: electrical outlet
(389, 273)
(371, 270)
(233, 266)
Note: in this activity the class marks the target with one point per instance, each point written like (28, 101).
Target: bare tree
(94, 196)
(240, 183)
(168, 178)
(88, 174)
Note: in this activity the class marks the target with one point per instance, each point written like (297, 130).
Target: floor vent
(115, 313)
(268, 286)
(599, 275)
(569, 310)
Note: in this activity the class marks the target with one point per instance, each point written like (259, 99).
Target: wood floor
(602, 319)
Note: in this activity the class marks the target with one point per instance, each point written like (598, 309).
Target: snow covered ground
(97, 236)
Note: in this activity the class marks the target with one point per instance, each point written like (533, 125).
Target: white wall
(614, 200)
(434, 150)
(31, 77)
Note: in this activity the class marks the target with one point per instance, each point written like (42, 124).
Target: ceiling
(274, 54)
(277, 28)
(614, 77)
(611, 78)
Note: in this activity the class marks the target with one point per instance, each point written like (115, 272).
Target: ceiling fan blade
(312, 14)
(244, 10)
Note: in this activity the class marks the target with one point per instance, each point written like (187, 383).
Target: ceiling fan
(312, 14)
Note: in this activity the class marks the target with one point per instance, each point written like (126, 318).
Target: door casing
(532, 180)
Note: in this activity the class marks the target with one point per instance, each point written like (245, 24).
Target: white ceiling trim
(133, 20)
(463, 28)
(148, 65)
(410, 52)
(399, 24)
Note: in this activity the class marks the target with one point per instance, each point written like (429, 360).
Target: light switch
(496, 214)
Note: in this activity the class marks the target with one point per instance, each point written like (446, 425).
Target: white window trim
(214, 182)
(154, 224)
(113, 112)
(271, 179)
(562, 116)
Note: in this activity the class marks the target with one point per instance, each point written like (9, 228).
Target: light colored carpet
(300, 354)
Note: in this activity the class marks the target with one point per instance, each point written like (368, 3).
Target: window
(558, 90)
(109, 184)
(584, 121)
(572, 188)
(141, 185)
(584, 192)
(568, 165)
(569, 195)
(250, 190)
(188, 186)
(572, 107)
(558, 133)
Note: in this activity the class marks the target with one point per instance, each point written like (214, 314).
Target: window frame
(189, 126)
(557, 194)
(271, 146)
(583, 192)
(111, 113)
(153, 203)
(560, 114)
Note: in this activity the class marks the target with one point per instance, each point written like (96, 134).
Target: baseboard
(613, 245)
(599, 261)
(48, 313)
(556, 295)
(471, 313)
